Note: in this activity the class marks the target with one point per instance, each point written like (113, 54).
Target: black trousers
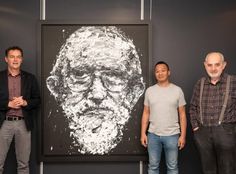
(217, 147)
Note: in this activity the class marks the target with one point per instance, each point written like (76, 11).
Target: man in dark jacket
(19, 99)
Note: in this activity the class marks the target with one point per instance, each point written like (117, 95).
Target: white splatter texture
(97, 79)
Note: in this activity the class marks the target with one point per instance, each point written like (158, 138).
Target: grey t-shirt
(163, 103)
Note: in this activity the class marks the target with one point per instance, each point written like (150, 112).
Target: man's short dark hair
(13, 48)
(162, 62)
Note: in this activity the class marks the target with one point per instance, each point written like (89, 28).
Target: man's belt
(13, 118)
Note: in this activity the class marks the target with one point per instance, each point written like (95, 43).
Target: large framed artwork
(93, 79)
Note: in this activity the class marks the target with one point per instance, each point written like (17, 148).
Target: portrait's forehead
(100, 46)
(98, 43)
(100, 64)
(103, 56)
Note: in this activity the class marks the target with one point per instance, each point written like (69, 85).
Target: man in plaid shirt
(213, 117)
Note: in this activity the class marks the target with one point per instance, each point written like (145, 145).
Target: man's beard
(96, 130)
(214, 74)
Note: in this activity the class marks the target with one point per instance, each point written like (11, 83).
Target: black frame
(43, 57)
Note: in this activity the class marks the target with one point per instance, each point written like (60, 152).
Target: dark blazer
(29, 91)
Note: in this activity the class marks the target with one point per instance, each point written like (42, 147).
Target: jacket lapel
(5, 81)
(22, 83)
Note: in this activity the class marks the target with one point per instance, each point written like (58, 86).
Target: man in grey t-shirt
(165, 118)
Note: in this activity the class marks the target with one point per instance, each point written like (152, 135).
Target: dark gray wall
(183, 32)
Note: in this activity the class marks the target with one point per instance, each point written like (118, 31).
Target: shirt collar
(9, 74)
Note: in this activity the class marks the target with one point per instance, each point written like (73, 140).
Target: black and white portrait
(93, 81)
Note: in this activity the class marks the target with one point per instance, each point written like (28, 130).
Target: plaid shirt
(212, 101)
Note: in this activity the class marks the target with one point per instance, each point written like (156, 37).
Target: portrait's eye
(79, 80)
(115, 82)
(80, 75)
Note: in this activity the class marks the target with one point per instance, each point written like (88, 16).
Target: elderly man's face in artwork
(97, 80)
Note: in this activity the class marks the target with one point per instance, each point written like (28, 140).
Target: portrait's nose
(97, 91)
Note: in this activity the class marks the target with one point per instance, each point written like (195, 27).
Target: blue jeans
(170, 145)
